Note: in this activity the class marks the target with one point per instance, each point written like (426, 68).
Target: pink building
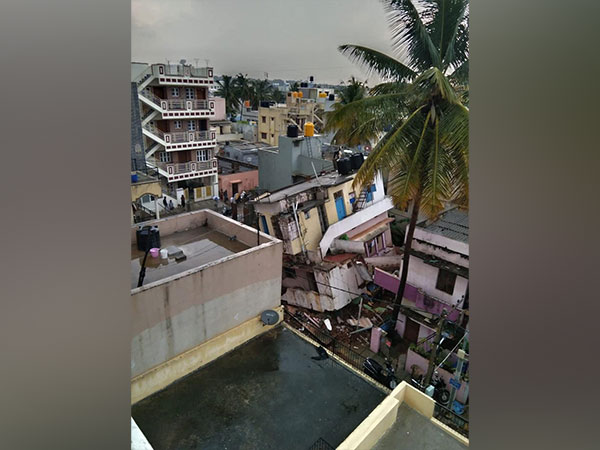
(236, 176)
(175, 111)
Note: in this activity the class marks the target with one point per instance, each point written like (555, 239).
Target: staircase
(361, 202)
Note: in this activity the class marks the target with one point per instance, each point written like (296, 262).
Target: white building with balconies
(175, 111)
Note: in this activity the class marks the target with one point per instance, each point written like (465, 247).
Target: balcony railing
(179, 137)
(187, 136)
(178, 104)
(183, 70)
(187, 167)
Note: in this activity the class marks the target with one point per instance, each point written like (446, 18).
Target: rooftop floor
(412, 431)
(267, 394)
(201, 246)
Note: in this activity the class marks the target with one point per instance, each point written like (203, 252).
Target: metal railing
(184, 136)
(179, 168)
(150, 96)
(186, 71)
(338, 348)
(176, 104)
(155, 131)
(451, 419)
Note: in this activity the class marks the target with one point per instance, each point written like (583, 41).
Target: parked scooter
(386, 376)
(441, 393)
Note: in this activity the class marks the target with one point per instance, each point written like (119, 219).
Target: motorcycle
(386, 376)
(441, 393)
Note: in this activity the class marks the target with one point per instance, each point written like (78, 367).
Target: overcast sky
(287, 39)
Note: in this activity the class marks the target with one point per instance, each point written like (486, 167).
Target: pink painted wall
(386, 280)
(219, 108)
(249, 180)
(391, 283)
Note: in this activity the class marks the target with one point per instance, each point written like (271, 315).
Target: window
(189, 93)
(191, 125)
(264, 119)
(307, 214)
(174, 92)
(203, 155)
(165, 157)
(263, 135)
(446, 281)
(177, 124)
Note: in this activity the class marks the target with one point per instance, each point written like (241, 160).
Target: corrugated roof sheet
(453, 224)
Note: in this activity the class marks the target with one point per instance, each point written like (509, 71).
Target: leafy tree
(418, 112)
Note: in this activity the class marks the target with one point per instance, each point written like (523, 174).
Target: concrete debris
(328, 324)
(365, 322)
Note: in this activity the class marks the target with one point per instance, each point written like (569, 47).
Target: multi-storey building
(175, 111)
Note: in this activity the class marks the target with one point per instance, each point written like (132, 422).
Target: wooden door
(411, 331)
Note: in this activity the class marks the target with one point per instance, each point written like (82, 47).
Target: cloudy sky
(287, 39)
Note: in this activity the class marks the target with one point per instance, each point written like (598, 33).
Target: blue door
(264, 224)
(340, 207)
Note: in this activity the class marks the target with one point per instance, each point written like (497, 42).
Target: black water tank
(356, 160)
(331, 97)
(265, 104)
(344, 166)
(147, 237)
(311, 78)
(292, 131)
(303, 84)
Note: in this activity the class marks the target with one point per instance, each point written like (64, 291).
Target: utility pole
(458, 372)
(434, 350)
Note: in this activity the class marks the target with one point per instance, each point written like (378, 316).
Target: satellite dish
(269, 317)
(182, 61)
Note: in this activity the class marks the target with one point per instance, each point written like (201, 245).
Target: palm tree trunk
(406, 256)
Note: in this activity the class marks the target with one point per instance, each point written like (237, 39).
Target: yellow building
(274, 120)
(142, 185)
(324, 224)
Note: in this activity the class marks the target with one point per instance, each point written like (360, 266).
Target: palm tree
(243, 90)
(294, 86)
(354, 90)
(260, 90)
(417, 111)
(278, 96)
(227, 91)
(345, 132)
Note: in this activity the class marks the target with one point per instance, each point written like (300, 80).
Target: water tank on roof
(265, 104)
(344, 166)
(357, 160)
(294, 94)
(147, 237)
(300, 94)
(322, 95)
(311, 78)
(303, 84)
(292, 131)
(331, 97)
(309, 129)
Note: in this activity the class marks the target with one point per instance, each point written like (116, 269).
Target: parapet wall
(176, 314)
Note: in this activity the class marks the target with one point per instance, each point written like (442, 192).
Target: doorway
(411, 331)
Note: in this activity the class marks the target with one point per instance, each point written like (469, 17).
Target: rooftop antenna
(206, 61)
(196, 60)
